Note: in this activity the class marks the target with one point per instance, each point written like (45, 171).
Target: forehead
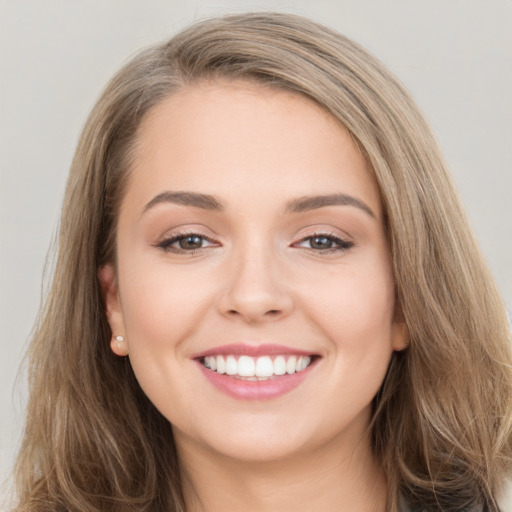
(217, 137)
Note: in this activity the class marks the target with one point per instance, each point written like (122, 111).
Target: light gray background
(55, 57)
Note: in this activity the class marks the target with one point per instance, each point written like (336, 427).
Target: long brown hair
(442, 420)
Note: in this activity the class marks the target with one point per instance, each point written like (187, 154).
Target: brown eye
(190, 242)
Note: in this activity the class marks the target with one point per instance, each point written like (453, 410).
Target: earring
(118, 346)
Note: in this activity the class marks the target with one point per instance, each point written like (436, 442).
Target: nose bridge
(256, 289)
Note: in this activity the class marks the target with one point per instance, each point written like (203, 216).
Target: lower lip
(255, 389)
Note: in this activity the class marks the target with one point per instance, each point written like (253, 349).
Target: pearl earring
(119, 347)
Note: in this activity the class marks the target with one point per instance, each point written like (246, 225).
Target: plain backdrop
(56, 56)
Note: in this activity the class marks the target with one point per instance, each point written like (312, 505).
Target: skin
(257, 279)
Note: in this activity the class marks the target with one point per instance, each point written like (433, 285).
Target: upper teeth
(261, 367)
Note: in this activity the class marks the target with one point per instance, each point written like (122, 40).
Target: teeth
(264, 367)
(279, 365)
(246, 366)
(256, 368)
(231, 366)
(291, 365)
(221, 364)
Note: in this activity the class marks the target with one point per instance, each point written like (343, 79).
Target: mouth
(260, 368)
(263, 372)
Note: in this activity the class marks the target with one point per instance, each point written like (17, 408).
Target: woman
(267, 296)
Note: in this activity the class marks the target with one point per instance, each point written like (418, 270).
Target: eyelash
(167, 244)
(341, 244)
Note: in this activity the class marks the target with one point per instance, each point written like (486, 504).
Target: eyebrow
(306, 203)
(204, 201)
(298, 205)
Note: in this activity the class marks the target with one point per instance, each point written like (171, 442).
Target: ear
(401, 337)
(108, 283)
(400, 333)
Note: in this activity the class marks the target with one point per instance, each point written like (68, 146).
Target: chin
(261, 449)
(249, 439)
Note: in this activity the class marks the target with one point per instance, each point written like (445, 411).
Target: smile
(256, 368)
(256, 372)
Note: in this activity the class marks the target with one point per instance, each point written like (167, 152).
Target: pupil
(191, 242)
(321, 242)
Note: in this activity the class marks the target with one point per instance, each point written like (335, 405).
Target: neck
(324, 480)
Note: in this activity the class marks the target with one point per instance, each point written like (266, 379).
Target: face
(253, 285)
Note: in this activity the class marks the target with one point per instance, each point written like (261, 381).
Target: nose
(256, 290)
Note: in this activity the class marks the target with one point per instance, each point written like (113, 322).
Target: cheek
(359, 323)
(161, 310)
(160, 305)
(356, 309)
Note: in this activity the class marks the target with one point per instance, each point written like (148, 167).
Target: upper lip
(244, 349)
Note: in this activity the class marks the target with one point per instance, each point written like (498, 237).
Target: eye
(325, 243)
(185, 242)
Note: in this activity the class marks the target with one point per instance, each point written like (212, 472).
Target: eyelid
(166, 242)
(342, 243)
